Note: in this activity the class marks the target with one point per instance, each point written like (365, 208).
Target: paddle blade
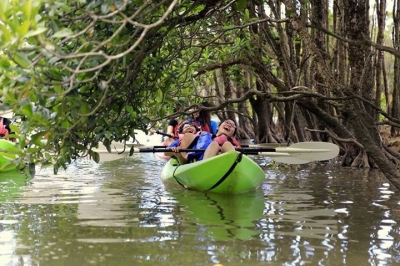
(281, 157)
(266, 145)
(311, 151)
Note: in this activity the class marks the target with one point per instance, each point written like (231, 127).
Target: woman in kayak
(222, 142)
(188, 134)
(202, 119)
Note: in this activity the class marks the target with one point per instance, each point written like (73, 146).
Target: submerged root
(361, 160)
(346, 159)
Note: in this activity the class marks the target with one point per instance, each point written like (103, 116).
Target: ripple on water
(293, 213)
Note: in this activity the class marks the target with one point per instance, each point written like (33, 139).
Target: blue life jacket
(175, 143)
(203, 141)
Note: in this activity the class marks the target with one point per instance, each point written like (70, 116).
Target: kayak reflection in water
(221, 142)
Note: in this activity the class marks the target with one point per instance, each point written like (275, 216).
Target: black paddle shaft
(166, 135)
(242, 150)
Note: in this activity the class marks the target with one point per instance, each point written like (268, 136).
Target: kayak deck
(228, 173)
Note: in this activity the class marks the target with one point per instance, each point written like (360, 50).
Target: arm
(182, 158)
(174, 146)
(170, 131)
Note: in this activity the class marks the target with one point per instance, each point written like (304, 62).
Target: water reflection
(11, 183)
(222, 217)
(120, 213)
(364, 221)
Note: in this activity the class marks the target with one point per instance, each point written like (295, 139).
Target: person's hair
(180, 130)
(236, 126)
(205, 115)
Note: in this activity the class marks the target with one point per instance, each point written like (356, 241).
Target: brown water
(120, 213)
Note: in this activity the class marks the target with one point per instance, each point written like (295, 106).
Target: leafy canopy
(78, 73)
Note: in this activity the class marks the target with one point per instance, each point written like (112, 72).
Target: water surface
(120, 213)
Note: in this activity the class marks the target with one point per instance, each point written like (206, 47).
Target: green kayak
(5, 157)
(228, 173)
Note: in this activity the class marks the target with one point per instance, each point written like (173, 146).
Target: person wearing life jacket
(224, 140)
(221, 142)
(185, 128)
(187, 138)
(172, 131)
(202, 119)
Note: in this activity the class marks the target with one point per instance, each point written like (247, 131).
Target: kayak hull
(227, 173)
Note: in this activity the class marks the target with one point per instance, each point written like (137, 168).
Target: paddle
(279, 157)
(260, 145)
(304, 151)
(166, 134)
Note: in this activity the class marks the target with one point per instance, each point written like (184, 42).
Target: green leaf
(47, 156)
(96, 157)
(105, 7)
(15, 128)
(62, 33)
(27, 9)
(37, 139)
(24, 28)
(27, 110)
(5, 63)
(5, 34)
(35, 32)
(240, 4)
(107, 144)
(22, 59)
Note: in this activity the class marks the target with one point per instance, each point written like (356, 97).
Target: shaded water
(120, 213)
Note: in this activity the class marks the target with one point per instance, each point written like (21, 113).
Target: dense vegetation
(78, 73)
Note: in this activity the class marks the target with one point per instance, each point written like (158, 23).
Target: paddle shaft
(308, 151)
(166, 135)
(242, 150)
(261, 145)
(244, 145)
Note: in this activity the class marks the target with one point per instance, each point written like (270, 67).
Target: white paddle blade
(281, 157)
(312, 151)
(131, 144)
(267, 145)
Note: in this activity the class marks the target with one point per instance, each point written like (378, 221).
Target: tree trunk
(395, 112)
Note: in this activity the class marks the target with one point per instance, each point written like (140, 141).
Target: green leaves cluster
(79, 73)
